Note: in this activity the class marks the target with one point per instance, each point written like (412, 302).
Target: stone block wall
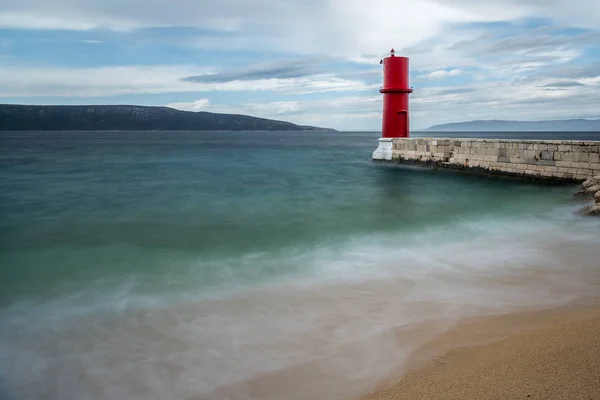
(547, 159)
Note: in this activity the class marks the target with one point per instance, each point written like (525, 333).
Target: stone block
(582, 157)
(512, 153)
(569, 157)
(547, 155)
(584, 171)
(564, 147)
(546, 162)
(594, 158)
(539, 147)
(581, 165)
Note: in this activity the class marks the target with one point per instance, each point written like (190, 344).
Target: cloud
(88, 41)
(535, 42)
(591, 70)
(516, 68)
(529, 100)
(25, 20)
(340, 27)
(357, 112)
(277, 107)
(441, 74)
(518, 100)
(281, 69)
(562, 84)
(458, 90)
(17, 81)
(198, 105)
(110, 81)
(501, 51)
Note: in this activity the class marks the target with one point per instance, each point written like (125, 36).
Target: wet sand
(553, 354)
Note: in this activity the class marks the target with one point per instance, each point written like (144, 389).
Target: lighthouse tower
(395, 90)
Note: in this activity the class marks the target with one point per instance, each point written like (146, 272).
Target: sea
(259, 265)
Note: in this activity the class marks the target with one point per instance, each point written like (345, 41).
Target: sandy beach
(553, 354)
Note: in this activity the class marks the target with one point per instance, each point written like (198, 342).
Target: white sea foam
(351, 317)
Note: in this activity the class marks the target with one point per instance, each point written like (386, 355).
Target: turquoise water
(114, 243)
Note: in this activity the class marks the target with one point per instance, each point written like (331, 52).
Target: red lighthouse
(395, 91)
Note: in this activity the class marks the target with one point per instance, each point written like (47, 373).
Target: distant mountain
(135, 118)
(575, 125)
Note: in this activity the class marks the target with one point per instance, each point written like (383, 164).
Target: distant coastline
(568, 125)
(133, 118)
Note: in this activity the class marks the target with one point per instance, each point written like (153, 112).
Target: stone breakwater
(591, 188)
(559, 160)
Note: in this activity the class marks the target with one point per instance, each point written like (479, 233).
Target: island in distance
(132, 118)
(568, 125)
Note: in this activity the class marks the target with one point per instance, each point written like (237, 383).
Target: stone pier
(561, 160)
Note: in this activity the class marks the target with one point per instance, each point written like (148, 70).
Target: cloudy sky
(307, 61)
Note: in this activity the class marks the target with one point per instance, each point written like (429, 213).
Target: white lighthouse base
(384, 151)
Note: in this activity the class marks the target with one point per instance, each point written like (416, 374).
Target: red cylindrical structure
(395, 91)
